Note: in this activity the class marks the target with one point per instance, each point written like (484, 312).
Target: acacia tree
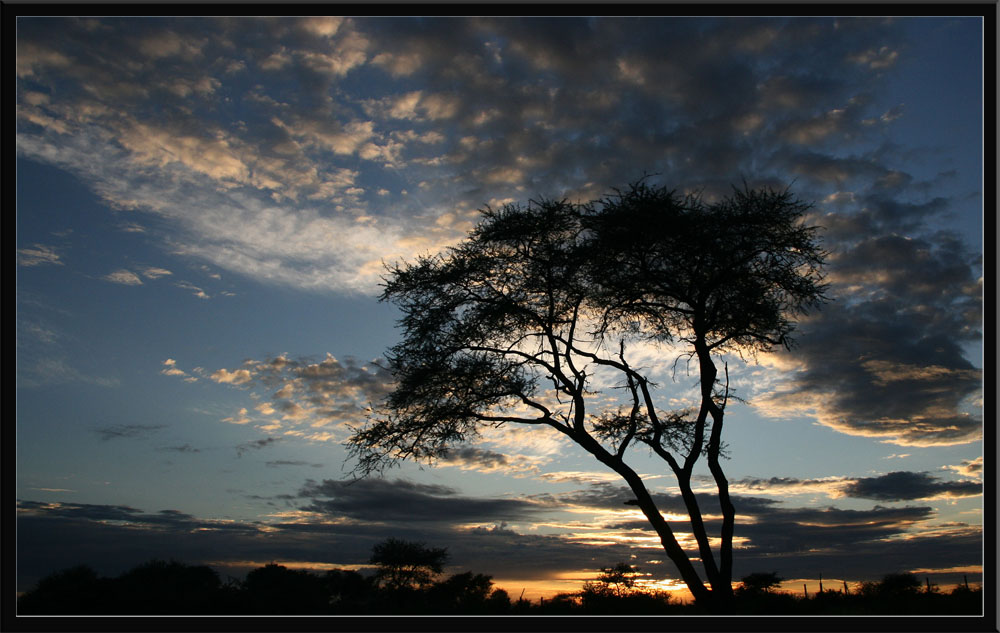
(513, 325)
(617, 581)
(405, 564)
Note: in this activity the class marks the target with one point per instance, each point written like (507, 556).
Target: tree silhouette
(759, 583)
(617, 580)
(277, 590)
(467, 593)
(73, 591)
(405, 564)
(347, 591)
(161, 588)
(166, 587)
(511, 326)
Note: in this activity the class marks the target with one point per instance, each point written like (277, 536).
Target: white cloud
(399, 65)
(155, 273)
(124, 277)
(276, 60)
(195, 290)
(323, 26)
(879, 59)
(55, 370)
(168, 44)
(309, 399)
(40, 254)
(238, 377)
(239, 418)
(171, 369)
(159, 147)
(32, 57)
(969, 467)
(346, 140)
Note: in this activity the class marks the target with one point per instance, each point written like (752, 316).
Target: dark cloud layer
(255, 445)
(381, 500)
(905, 485)
(885, 358)
(894, 486)
(120, 431)
(797, 542)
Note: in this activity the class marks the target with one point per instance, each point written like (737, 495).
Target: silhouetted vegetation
(406, 565)
(511, 325)
(173, 588)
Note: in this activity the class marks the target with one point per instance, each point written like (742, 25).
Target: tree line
(409, 578)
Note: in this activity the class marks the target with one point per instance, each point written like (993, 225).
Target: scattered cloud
(49, 370)
(171, 369)
(39, 254)
(276, 195)
(902, 486)
(195, 290)
(304, 396)
(828, 486)
(128, 431)
(382, 500)
(255, 445)
(487, 461)
(183, 448)
(879, 59)
(284, 462)
(124, 277)
(237, 377)
(239, 418)
(155, 273)
(894, 486)
(969, 467)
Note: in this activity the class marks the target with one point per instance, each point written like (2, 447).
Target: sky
(205, 208)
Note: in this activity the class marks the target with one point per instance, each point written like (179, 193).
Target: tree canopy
(405, 564)
(512, 326)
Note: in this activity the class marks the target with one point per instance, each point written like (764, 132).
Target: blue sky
(204, 207)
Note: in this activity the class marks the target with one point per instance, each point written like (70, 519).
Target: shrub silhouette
(172, 588)
(163, 587)
(348, 591)
(467, 593)
(277, 590)
(76, 590)
(758, 583)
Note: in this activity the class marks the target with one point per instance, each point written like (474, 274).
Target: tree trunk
(723, 587)
(645, 501)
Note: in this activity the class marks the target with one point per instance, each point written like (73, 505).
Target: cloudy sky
(205, 206)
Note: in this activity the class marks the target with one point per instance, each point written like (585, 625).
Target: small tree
(467, 593)
(404, 564)
(618, 581)
(74, 591)
(759, 583)
(899, 585)
(277, 590)
(511, 326)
